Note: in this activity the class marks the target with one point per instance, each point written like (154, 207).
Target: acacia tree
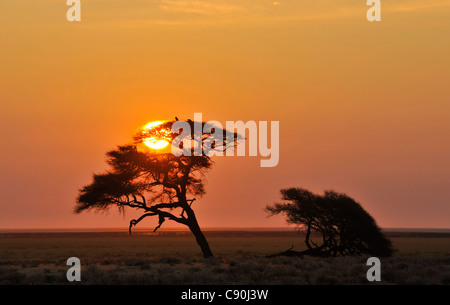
(159, 184)
(344, 226)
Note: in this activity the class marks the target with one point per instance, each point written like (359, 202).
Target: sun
(158, 141)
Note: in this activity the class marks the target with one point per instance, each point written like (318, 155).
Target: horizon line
(235, 228)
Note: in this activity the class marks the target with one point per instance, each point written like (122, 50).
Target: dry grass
(240, 259)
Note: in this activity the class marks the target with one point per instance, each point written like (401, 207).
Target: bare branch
(161, 220)
(165, 205)
(134, 222)
(162, 215)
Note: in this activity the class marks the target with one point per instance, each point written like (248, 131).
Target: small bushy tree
(345, 227)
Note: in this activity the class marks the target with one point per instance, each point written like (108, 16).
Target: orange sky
(363, 107)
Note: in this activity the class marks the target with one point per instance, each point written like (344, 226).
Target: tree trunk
(308, 234)
(200, 238)
(201, 241)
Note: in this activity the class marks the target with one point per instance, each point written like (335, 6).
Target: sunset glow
(156, 142)
(363, 107)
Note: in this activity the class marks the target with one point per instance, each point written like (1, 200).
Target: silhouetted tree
(345, 227)
(159, 184)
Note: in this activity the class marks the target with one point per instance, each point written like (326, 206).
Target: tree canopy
(345, 228)
(159, 184)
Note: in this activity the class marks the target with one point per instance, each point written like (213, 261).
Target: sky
(363, 106)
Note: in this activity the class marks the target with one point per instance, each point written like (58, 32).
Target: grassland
(173, 257)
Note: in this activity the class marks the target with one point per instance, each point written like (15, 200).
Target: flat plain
(173, 257)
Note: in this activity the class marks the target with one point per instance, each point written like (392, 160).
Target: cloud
(138, 13)
(263, 10)
(416, 6)
(202, 7)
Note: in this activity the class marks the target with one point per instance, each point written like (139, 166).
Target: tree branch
(134, 222)
(161, 220)
(192, 201)
(162, 215)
